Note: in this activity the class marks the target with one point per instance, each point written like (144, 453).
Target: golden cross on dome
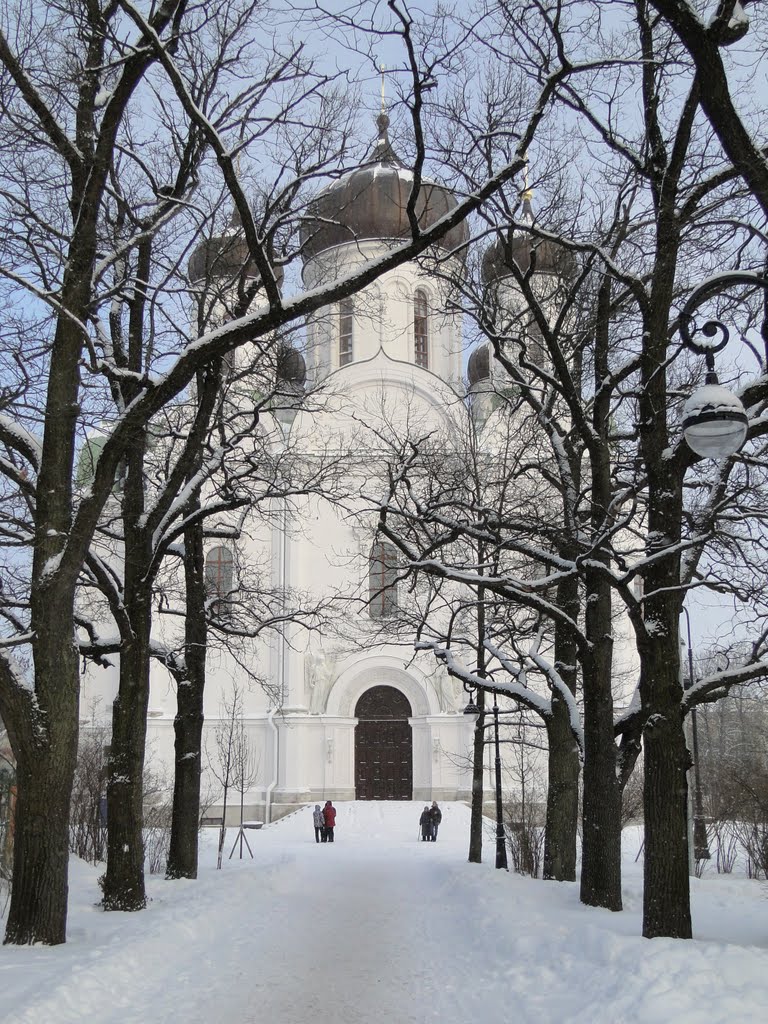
(383, 69)
(527, 190)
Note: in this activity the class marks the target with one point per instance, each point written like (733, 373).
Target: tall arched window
(421, 328)
(219, 577)
(346, 331)
(382, 580)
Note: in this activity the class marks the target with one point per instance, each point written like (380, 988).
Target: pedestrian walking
(329, 819)
(437, 816)
(319, 823)
(425, 823)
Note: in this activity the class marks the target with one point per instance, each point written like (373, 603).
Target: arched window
(421, 328)
(219, 577)
(382, 580)
(346, 331)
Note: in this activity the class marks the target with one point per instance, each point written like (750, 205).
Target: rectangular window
(346, 329)
(421, 329)
(383, 581)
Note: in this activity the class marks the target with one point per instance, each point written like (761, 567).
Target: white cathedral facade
(345, 712)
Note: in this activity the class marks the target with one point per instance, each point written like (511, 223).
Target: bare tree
(729, 24)
(75, 81)
(604, 389)
(232, 760)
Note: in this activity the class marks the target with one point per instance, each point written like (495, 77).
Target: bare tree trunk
(38, 906)
(124, 880)
(478, 769)
(188, 724)
(601, 810)
(562, 796)
(564, 762)
(666, 889)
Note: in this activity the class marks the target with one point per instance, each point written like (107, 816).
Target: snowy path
(379, 928)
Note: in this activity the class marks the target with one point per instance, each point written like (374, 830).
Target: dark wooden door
(383, 746)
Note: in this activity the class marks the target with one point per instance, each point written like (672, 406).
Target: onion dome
(291, 368)
(479, 365)
(370, 203)
(225, 256)
(549, 257)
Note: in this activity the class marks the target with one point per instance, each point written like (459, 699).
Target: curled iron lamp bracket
(686, 322)
(710, 329)
(715, 423)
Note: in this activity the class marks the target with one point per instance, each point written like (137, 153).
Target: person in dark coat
(329, 817)
(425, 821)
(319, 823)
(436, 816)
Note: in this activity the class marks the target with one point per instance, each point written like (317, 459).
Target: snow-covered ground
(382, 929)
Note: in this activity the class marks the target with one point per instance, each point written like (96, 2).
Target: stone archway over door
(383, 746)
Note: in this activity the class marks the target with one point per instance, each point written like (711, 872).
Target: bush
(525, 840)
(157, 837)
(88, 819)
(6, 834)
(88, 814)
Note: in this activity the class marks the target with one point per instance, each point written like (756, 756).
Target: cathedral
(346, 710)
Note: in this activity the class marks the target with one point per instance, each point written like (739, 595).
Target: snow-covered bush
(87, 832)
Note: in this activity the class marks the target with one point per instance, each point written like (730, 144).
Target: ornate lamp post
(714, 420)
(501, 844)
(501, 839)
(700, 844)
(715, 426)
(501, 836)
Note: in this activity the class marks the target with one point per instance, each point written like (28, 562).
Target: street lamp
(714, 420)
(700, 844)
(501, 840)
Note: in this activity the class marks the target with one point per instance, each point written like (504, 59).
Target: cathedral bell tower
(357, 218)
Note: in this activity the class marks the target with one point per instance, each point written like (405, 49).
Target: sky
(380, 928)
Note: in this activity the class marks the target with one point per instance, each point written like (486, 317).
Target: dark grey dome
(479, 365)
(370, 203)
(549, 257)
(224, 256)
(291, 367)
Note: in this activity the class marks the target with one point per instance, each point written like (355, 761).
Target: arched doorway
(383, 746)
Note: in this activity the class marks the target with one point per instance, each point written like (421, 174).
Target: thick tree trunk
(38, 908)
(601, 809)
(564, 762)
(666, 890)
(46, 757)
(124, 879)
(188, 725)
(562, 796)
(185, 822)
(478, 769)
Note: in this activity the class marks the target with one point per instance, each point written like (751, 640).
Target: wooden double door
(383, 746)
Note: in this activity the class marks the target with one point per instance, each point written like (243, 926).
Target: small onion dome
(550, 258)
(714, 421)
(225, 256)
(291, 367)
(370, 203)
(479, 365)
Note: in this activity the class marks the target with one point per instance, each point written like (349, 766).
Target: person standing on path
(425, 821)
(319, 823)
(437, 816)
(329, 817)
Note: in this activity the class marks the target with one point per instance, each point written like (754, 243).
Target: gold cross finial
(527, 190)
(383, 68)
